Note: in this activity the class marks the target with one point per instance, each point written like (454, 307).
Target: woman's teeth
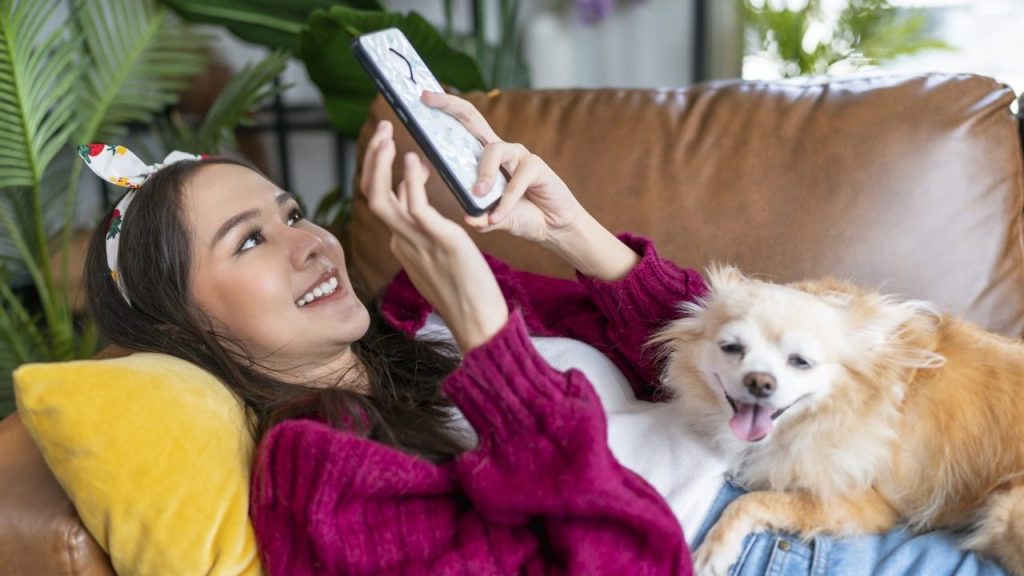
(325, 289)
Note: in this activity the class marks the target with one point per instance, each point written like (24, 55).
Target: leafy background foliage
(348, 91)
(109, 67)
(864, 33)
(70, 77)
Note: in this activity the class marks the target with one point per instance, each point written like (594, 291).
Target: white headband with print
(117, 165)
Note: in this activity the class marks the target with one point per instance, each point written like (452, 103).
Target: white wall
(642, 44)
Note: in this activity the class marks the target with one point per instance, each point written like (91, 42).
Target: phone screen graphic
(402, 76)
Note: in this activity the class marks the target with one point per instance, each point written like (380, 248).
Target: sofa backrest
(910, 185)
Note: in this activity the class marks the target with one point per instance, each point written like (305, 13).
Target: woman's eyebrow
(283, 197)
(241, 217)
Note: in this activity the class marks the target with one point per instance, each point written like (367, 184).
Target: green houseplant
(318, 32)
(69, 77)
(809, 40)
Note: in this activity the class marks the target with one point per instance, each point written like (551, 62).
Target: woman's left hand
(441, 259)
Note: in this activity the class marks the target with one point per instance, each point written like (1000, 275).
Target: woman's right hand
(537, 204)
(441, 259)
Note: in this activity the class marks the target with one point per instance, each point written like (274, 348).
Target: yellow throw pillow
(155, 454)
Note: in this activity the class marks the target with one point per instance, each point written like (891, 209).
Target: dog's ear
(680, 333)
(722, 276)
(895, 328)
(831, 291)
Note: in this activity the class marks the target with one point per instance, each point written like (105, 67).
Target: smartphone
(402, 76)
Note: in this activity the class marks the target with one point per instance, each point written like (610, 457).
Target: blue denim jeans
(895, 553)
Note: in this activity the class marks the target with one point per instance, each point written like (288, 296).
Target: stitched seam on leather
(70, 550)
(1019, 182)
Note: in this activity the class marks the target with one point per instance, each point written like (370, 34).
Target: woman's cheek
(253, 291)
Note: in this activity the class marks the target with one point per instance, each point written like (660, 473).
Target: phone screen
(403, 76)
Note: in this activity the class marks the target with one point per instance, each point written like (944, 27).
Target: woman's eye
(731, 347)
(799, 362)
(252, 239)
(294, 216)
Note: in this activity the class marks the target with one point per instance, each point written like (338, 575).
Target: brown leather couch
(913, 185)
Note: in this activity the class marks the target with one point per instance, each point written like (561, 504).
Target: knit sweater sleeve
(544, 458)
(634, 307)
(540, 494)
(618, 318)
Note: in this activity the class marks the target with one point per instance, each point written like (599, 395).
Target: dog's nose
(760, 384)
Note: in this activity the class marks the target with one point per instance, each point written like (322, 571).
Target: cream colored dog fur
(848, 412)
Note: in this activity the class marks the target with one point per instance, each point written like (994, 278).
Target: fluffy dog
(848, 412)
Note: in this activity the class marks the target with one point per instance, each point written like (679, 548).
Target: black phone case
(418, 134)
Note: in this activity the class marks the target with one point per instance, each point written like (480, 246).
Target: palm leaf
(174, 133)
(38, 74)
(17, 217)
(7, 366)
(88, 338)
(30, 342)
(15, 349)
(247, 90)
(10, 255)
(141, 59)
(53, 189)
(865, 32)
(900, 36)
(20, 341)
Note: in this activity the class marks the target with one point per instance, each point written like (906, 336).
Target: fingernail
(482, 187)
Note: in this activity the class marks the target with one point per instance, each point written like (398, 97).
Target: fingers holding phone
(441, 259)
(535, 203)
(464, 112)
(456, 138)
(403, 78)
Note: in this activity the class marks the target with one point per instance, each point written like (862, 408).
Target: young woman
(386, 449)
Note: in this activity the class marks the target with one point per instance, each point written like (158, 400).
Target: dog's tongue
(751, 422)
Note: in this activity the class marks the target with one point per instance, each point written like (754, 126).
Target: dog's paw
(720, 550)
(708, 562)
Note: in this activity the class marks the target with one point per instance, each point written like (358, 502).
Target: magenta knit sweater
(540, 494)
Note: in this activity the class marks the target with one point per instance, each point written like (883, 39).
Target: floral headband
(117, 165)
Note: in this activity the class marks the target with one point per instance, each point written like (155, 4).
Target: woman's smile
(324, 288)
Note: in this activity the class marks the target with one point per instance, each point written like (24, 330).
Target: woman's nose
(307, 246)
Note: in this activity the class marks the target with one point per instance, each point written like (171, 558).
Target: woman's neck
(343, 369)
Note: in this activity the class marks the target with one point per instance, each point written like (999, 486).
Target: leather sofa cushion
(40, 532)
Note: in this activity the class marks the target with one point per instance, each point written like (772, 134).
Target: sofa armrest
(40, 532)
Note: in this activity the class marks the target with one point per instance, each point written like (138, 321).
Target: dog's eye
(731, 347)
(799, 362)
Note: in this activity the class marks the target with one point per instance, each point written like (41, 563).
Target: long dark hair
(404, 407)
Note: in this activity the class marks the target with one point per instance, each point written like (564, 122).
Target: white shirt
(645, 437)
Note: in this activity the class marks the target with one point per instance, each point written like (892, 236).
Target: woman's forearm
(592, 250)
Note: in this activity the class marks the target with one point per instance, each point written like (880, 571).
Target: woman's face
(274, 280)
